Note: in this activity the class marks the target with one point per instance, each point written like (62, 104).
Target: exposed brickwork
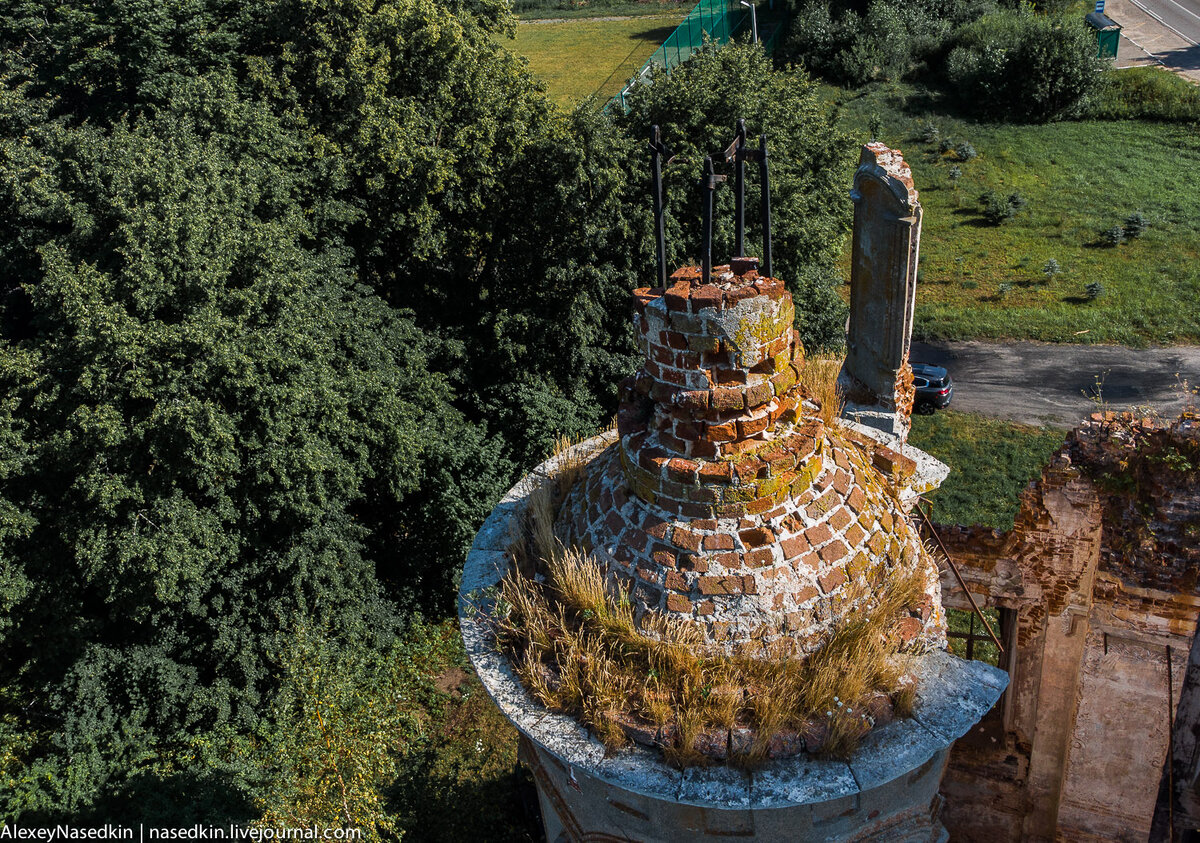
(740, 509)
(1100, 570)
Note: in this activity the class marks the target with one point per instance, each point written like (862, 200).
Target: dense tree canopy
(290, 291)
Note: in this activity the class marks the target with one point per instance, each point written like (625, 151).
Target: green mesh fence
(717, 20)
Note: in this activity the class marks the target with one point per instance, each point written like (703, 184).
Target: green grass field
(990, 461)
(582, 58)
(1080, 178)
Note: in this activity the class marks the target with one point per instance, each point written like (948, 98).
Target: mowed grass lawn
(991, 461)
(1079, 179)
(580, 58)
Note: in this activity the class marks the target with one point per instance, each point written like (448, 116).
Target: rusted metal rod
(957, 575)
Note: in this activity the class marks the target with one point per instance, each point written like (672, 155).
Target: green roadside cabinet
(1108, 34)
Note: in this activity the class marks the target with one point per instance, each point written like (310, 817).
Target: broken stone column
(876, 377)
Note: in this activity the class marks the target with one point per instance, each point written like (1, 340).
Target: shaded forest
(291, 291)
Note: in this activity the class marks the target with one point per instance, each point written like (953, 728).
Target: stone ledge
(952, 696)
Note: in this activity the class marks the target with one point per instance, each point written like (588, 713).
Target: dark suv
(934, 386)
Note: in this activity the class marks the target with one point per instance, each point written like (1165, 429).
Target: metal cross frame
(737, 153)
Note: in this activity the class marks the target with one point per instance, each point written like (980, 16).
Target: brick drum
(726, 501)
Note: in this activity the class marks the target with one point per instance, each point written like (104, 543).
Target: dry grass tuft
(819, 376)
(575, 644)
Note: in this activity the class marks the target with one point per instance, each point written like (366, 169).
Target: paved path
(1038, 383)
(1165, 32)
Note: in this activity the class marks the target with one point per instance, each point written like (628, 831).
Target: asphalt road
(1182, 16)
(1039, 383)
(1159, 31)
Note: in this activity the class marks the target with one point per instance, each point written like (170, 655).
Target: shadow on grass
(656, 35)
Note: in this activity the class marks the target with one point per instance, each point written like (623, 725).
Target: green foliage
(696, 108)
(1113, 237)
(1094, 290)
(891, 41)
(1145, 93)
(1024, 66)
(1136, 225)
(998, 209)
(964, 151)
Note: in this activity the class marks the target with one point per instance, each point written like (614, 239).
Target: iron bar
(656, 154)
(708, 185)
(764, 178)
(739, 156)
(957, 575)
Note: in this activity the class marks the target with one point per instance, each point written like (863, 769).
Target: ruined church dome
(726, 501)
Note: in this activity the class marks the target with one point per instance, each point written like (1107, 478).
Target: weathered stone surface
(883, 276)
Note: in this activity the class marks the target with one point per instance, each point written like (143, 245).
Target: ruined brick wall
(727, 502)
(1098, 569)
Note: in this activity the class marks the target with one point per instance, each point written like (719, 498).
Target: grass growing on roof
(819, 378)
(1079, 179)
(578, 59)
(577, 648)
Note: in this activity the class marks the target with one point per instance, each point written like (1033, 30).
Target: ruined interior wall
(1076, 749)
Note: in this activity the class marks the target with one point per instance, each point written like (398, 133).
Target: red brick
(841, 459)
(736, 377)
(759, 505)
(726, 399)
(706, 608)
(710, 586)
(749, 585)
(692, 399)
(655, 526)
(615, 523)
(794, 546)
(818, 535)
(805, 594)
(693, 562)
(677, 296)
(716, 472)
(749, 427)
(841, 483)
(908, 629)
(840, 519)
(678, 603)
(674, 443)
(665, 558)
(835, 551)
(758, 395)
(857, 499)
(686, 539)
(855, 535)
(721, 541)
(671, 375)
(707, 295)
(808, 562)
(725, 432)
(832, 580)
(682, 471)
(689, 431)
(703, 494)
(647, 574)
(759, 558)
(756, 537)
(728, 560)
(676, 582)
